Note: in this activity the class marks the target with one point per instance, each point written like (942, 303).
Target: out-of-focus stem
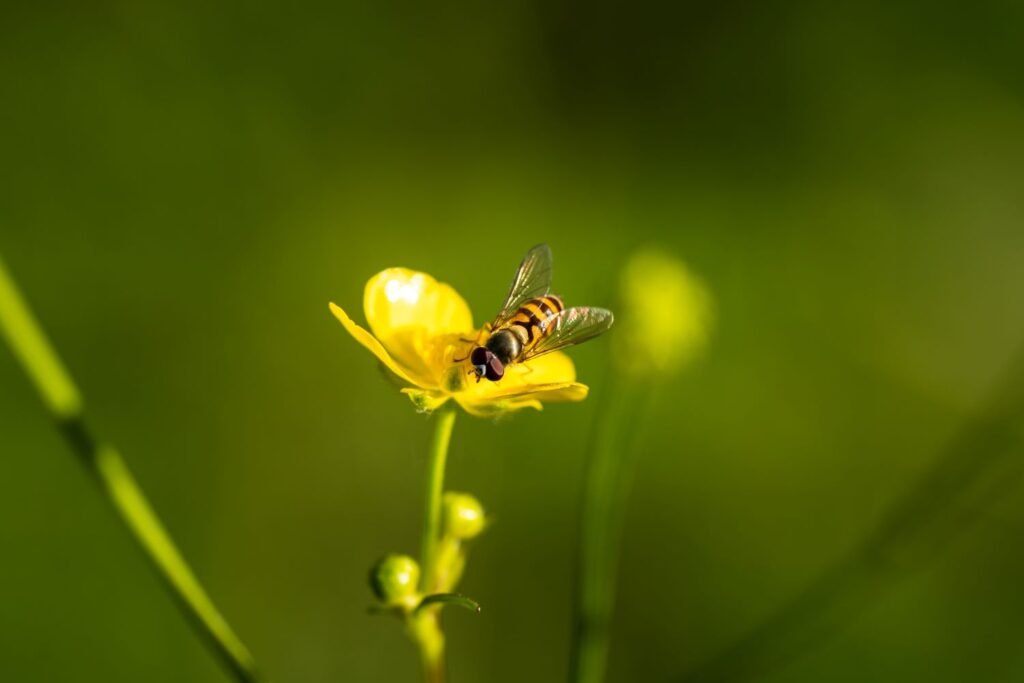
(425, 627)
(607, 482)
(63, 400)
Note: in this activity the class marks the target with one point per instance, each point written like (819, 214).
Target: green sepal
(448, 599)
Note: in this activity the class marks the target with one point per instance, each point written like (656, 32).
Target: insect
(533, 322)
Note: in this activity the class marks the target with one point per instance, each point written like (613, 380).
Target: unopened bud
(394, 579)
(463, 516)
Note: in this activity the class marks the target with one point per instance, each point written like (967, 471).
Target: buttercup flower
(423, 333)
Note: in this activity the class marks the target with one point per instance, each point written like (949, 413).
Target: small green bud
(394, 579)
(463, 516)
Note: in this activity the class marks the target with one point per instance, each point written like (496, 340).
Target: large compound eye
(479, 356)
(495, 370)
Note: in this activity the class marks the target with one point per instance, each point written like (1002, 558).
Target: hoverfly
(533, 322)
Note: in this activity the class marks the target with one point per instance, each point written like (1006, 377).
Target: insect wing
(533, 279)
(572, 326)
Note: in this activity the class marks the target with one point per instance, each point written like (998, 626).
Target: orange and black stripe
(530, 322)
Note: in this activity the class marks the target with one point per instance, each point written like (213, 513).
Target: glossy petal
(493, 408)
(408, 311)
(549, 368)
(517, 398)
(557, 392)
(374, 346)
(526, 395)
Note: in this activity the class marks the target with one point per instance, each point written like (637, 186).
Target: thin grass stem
(607, 483)
(44, 368)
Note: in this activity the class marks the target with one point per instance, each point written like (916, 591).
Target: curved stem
(63, 400)
(425, 625)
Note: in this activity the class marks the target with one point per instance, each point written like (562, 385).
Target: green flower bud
(394, 579)
(463, 516)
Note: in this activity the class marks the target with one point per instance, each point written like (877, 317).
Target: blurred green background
(184, 187)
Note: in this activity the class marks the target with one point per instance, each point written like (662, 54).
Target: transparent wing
(533, 279)
(572, 326)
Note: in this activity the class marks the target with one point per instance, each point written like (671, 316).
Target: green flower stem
(607, 482)
(435, 492)
(425, 625)
(63, 400)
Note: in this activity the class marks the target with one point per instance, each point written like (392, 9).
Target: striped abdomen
(525, 328)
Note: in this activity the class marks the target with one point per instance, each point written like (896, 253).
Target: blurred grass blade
(978, 466)
(35, 354)
(449, 599)
(58, 392)
(607, 483)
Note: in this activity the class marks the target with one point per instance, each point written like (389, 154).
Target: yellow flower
(422, 331)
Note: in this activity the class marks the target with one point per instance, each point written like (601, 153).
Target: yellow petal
(526, 403)
(558, 391)
(518, 397)
(494, 408)
(552, 368)
(374, 346)
(547, 369)
(408, 311)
